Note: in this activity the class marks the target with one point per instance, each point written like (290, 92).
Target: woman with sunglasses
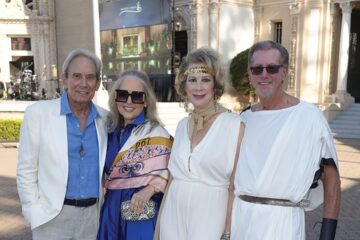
(199, 198)
(136, 161)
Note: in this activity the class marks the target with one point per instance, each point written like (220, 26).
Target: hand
(140, 198)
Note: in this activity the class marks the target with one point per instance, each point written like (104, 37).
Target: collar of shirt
(117, 140)
(140, 119)
(65, 107)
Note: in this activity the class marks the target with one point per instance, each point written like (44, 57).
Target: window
(130, 46)
(277, 32)
(20, 43)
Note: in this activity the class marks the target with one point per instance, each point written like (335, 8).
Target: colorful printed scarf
(144, 162)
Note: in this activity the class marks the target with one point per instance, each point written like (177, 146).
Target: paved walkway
(12, 225)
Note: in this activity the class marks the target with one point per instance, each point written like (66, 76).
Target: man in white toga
(287, 162)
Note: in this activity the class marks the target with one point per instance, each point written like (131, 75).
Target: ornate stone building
(323, 40)
(321, 36)
(27, 38)
(225, 25)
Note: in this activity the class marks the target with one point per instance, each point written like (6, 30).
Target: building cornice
(26, 19)
(344, 1)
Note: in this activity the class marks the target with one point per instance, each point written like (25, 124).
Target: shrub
(239, 76)
(10, 129)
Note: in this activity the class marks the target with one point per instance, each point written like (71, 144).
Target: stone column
(214, 24)
(258, 13)
(101, 97)
(293, 86)
(341, 94)
(196, 9)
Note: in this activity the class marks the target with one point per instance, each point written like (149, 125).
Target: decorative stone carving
(35, 24)
(214, 23)
(14, 9)
(195, 10)
(294, 9)
(334, 46)
(214, 6)
(346, 7)
(257, 22)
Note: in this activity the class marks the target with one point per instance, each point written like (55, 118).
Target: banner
(133, 13)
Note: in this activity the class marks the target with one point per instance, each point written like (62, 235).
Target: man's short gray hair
(83, 53)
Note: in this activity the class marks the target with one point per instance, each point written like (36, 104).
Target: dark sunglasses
(123, 95)
(271, 69)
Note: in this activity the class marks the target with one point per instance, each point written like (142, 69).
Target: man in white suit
(62, 153)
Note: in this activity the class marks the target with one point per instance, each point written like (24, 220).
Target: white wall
(309, 91)
(203, 28)
(236, 31)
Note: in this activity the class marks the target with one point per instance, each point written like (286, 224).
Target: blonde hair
(214, 64)
(115, 118)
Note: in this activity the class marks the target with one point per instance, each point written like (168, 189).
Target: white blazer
(42, 170)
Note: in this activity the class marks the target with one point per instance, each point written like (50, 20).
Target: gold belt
(273, 201)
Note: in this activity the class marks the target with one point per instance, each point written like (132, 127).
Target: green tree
(239, 76)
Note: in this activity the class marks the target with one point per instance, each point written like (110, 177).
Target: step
(355, 106)
(351, 113)
(339, 125)
(170, 114)
(347, 135)
(349, 121)
(345, 128)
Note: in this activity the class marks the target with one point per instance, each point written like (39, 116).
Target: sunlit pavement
(12, 224)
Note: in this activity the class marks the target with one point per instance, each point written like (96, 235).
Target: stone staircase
(347, 123)
(170, 114)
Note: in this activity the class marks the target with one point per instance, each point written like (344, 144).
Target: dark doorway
(353, 83)
(181, 43)
(19, 64)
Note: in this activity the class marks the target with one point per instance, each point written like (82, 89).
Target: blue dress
(112, 226)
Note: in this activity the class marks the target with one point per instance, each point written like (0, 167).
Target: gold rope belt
(272, 201)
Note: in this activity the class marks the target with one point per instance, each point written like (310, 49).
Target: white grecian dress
(196, 204)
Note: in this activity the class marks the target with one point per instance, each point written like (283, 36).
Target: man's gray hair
(80, 52)
(266, 45)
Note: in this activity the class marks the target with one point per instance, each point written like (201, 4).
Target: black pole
(173, 50)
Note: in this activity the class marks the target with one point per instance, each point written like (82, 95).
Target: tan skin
(272, 97)
(81, 84)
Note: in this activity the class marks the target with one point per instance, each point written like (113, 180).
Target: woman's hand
(140, 198)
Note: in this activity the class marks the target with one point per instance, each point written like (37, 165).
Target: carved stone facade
(34, 23)
(217, 24)
(315, 32)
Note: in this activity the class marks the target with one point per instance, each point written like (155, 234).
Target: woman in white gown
(199, 198)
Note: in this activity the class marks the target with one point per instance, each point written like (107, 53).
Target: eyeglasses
(271, 69)
(123, 95)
